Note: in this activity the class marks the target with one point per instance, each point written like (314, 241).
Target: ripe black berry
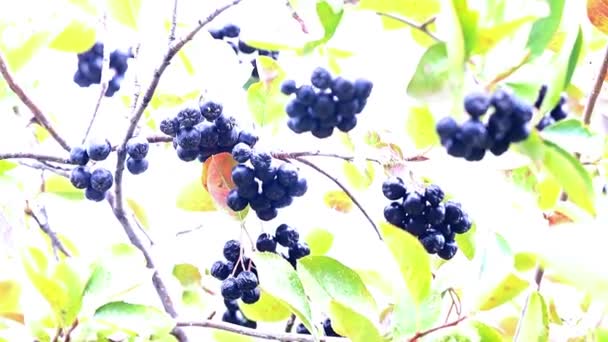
(189, 117)
(209, 137)
(94, 195)
(251, 296)
(101, 180)
(244, 48)
(260, 202)
(393, 188)
(289, 87)
(432, 241)
(301, 329)
(282, 202)
(186, 155)
(266, 243)
(286, 235)
(306, 95)
(216, 33)
(137, 148)
(416, 225)
(248, 138)
(476, 104)
(169, 126)
(347, 123)
(448, 251)
(220, 270)
(296, 109)
(261, 160)
(228, 139)
(299, 189)
(78, 155)
(236, 202)
(247, 280)
(321, 78)
(328, 329)
(287, 174)
(462, 226)
(435, 214)
(243, 175)
(231, 31)
(211, 110)
(446, 128)
(224, 123)
(273, 190)
(413, 204)
(230, 289)
(395, 214)
(363, 89)
(248, 191)
(324, 107)
(241, 152)
(137, 166)
(99, 149)
(474, 133)
(343, 89)
(299, 250)
(267, 214)
(232, 250)
(453, 212)
(433, 194)
(189, 138)
(231, 305)
(80, 177)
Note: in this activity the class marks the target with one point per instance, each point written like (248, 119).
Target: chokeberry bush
(367, 171)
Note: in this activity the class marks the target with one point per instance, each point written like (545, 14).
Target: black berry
(286, 235)
(101, 180)
(94, 195)
(289, 87)
(251, 296)
(189, 117)
(220, 270)
(247, 280)
(78, 155)
(230, 289)
(266, 243)
(137, 148)
(241, 152)
(393, 188)
(99, 149)
(80, 177)
(232, 250)
(476, 104)
(137, 166)
(235, 202)
(321, 78)
(211, 110)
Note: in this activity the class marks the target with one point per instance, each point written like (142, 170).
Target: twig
(257, 333)
(297, 17)
(27, 101)
(346, 191)
(423, 27)
(68, 334)
(432, 330)
(41, 219)
(538, 276)
(173, 22)
(36, 156)
(293, 155)
(290, 322)
(597, 88)
(105, 79)
(187, 231)
(47, 167)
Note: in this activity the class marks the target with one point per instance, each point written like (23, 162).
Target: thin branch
(36, 156)
(173, 22)
(27, 101)
(423, 27)
(41, 219)
(237, 329)
(432, 330)
(297, 17)
(47, 167)
(538, 276)
(105, 78)
(597, 88)
(293, 155)
(68, 334)
(346, 191)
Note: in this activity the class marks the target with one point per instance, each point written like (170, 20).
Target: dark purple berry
(393, 188)
(79, 156)
(220, 270)
(230, 289)
(232, 250)
(80, 177)
(266, 243)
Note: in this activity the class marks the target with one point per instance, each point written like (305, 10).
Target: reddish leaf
(217, 177)
(597, 11)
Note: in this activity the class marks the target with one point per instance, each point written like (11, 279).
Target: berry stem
(173, 22)
(597, 88)
(423, 27)
(346, 191)
(294, 155)
(421, 334)
(36, 156)
(27, 101)
(257, 333)
(41, 219)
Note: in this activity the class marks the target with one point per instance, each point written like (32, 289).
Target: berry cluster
(325, 104)
(507, 124)
(137, 150)
(328, 330)
(265, 185)
(230, 34)
(287, 237)
(425, 215)
(95, 182)
(237, 273)
(556, 114)
(205, 131)
(90, 64)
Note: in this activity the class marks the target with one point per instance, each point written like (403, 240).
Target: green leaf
(412, 258)
(548, 192)
(571, 135)
(338, 200)
(572, 176)
(510, 287)
(491, 36)
(524, 261)
(61, 186)
(410, 317)
(487, 333)
(278, 278)
(265, 100)
(187, 274)
(194, 197)
(267, 309)
(359, 175)
(78, 36)
(420, 127)
(125, 12)
(340, 283)
(18, 57)
(319, 240)
(329, 17)
(69, 278)
(134, 318)
(88, 6)
(6, 166)
(534, 325)
(431, 72)
(10, 292)
(466, 242)
(544, 28)
(468, 19)
(350, 324)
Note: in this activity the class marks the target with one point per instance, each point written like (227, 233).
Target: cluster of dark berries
(205, 131)
(90, 64)
(426, 215)
(556, 114)
(237, 273)
(95, 182)
(328, 330)
(263, 183)
(230, 34)
(137, 150)
(325, 104)
(508, 123)
(287, 237)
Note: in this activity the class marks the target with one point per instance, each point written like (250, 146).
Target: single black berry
(267, 214)
(186, 155)
(241, 152)
(261, 160)
(287, 175)
(324, 107)
(463, 225)
(137, 166)
(248, 138)
(448, 251)
(101, 179)
(282, 202)
(220, 270)
(230, 289)
(267, 175)
(476, 104)
(169, 126)
(80, 177)
(413, 204)
(289, 87)
(189, 117)
(260, 202)
(395, 214)
(99, 149)
(453, 212)
(249, 191)
(137, 147)
(251, 296)
(503, 101)
(433, 194)
(232, 250)
(306, 95)
(343, 89)
(94, 195)
(320, 78)
(243, 175)
(266, 243)
(247, 280)
(363, 89)
(299, 250)
(236, 202)
(416, 225)
(224, 123)
(286, 235)
(474, 133)
(231, 31)
(432, 241)
(78, 155)
(393, 188)
(446, 128)
(435, 214)
(211, 110)
(347, 123)
(299, 189)
(231, 305)
(189, 138)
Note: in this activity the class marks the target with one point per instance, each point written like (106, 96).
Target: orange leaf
(218, 177)
(597, 11)
(338, 200)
